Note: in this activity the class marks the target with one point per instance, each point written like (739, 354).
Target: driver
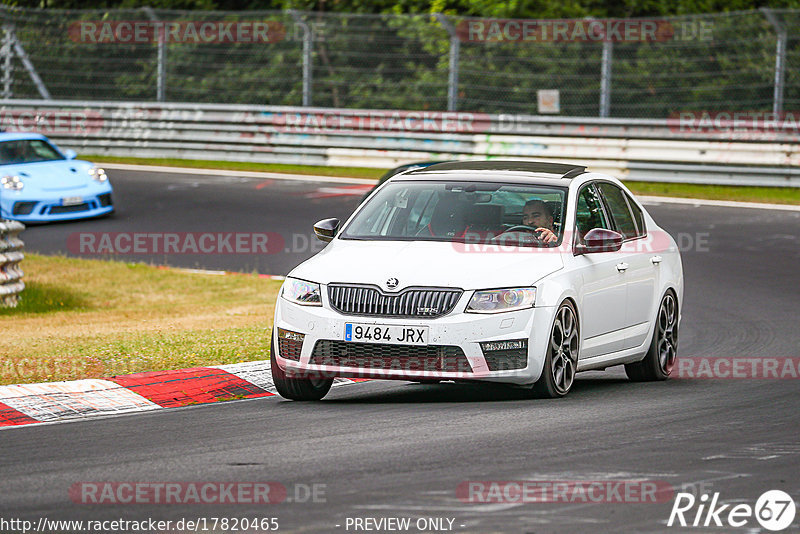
(537, 214)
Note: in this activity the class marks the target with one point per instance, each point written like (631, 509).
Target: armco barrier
(643, 149)
(11, 283)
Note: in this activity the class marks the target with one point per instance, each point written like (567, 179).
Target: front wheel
(561, 361)
(663, 352)
(301, 389)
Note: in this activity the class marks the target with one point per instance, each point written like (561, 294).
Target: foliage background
(394, 55)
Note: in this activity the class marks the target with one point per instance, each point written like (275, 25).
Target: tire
(561, 361)
(300, 389)
(663, 351)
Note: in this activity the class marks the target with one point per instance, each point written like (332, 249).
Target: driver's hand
(546, 235)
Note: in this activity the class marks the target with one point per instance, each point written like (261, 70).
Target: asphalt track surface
(394, 449)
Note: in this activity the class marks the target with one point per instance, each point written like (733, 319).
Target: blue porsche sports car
(39, 183)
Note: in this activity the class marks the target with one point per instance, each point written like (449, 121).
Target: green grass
(770, 195)
(169, 349)
(773, 195)
(82, 318)
(45, 298)
(349, 172)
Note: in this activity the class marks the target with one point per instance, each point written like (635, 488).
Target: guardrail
(695, 149)
(11, 284)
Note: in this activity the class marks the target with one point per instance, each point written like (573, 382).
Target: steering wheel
(527, 231)
(522, 228)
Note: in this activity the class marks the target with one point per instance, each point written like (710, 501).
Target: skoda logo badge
(392, 283)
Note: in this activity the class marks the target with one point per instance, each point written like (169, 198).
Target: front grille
(390, 357)
(504, 360)
(105, 200)
(55, 210)
(23, 208)
(411, 302)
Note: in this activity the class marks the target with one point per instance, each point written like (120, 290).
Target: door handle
(655, 260)
(622, 267)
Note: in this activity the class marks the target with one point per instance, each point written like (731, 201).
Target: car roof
(18, 136)
(408, 166)
(506, 170)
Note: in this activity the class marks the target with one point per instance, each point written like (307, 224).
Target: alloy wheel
(667, 333)
(564, 349)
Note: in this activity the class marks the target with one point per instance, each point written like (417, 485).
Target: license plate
(71, 201)
(381, 333)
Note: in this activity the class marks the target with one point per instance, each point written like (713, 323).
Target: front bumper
(50, 209)
(457, 330)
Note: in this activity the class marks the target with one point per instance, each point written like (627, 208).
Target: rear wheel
(663, 352)
(561, 361)
(302, 389)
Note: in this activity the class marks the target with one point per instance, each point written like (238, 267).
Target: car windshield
(27, 151)
(479, 212)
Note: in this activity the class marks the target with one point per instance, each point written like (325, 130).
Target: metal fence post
(8, 55)
(308, 48)
(455, 50)
(605, 78)
(161, 66)
(780, 59)
(26, 62)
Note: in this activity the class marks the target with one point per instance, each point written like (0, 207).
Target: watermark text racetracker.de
(193, 32)
(205, 492)
(585, 30)
(564, 491)
(123, 243)
(525, 242)
(212, 524)
(726, 122)
(14, 369)
(739, 367)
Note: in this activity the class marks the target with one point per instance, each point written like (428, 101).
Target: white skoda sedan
(511, 272)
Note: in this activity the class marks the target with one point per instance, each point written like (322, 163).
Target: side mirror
(326, 229)
(70, 154)
(599, 240)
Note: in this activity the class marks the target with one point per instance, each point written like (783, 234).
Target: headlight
(12, 182)
(502, 300)
(98, 173)
(301, 292)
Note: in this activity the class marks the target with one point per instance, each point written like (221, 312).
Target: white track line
(246, 174)
(699, 202)
(343, 180)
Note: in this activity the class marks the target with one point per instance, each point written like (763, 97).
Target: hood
(51, 175)
(426, 263)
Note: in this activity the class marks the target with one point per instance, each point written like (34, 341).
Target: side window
(43, 150)
(638, 217)
(589, 212)
(618, 206)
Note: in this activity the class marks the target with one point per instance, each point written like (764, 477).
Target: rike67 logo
(774, 510)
